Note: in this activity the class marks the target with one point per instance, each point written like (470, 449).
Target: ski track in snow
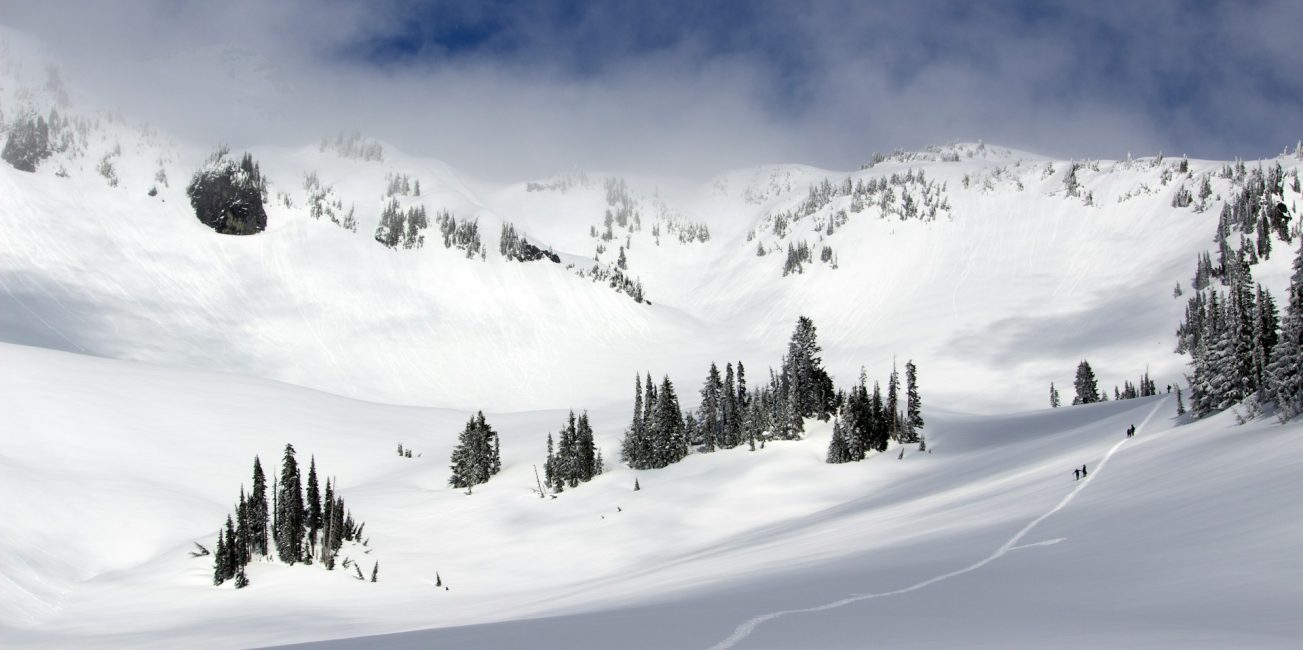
(745, 629)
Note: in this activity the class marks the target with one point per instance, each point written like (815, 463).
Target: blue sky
(524, 88)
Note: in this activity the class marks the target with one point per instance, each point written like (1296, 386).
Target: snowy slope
(146, 360)
(111, 271)
(1183, 536)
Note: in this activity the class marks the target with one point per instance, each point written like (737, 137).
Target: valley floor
(1187, 534)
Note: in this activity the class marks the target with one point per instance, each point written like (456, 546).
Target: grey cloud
(667, 88)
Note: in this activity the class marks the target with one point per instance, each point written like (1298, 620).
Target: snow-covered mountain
(995, 270)
(957, 257)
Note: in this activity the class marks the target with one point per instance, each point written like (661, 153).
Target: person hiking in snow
(1083, 471)
(1076, 474)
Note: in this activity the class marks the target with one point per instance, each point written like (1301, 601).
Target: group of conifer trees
(477, 456)
(656, 437)
(865, 422)
(302, 525)
(1088, 392)
(575, 458)
(1241, 348)
(730, 415)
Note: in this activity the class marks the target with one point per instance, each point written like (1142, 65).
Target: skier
(1083, 471)
(1076, 474)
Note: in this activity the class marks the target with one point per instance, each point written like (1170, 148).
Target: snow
(142, 460)
(146, 361)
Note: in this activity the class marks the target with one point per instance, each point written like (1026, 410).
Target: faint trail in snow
(745, 629)
(1048, 542)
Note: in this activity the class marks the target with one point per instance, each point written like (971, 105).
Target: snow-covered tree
(28, 143)
(476, 457)
(1285, 371)
(913, 404)
(1085, 384)
(289, 508)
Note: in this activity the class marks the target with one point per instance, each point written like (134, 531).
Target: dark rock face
(228, 197)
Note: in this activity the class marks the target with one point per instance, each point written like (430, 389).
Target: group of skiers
(1078, 474)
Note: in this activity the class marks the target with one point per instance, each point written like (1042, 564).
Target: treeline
(354, 147)
(615, 278)
(908, 196)
(303, 525)
(730, 414)
(397, 184)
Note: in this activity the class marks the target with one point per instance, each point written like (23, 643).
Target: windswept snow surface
(112, 469)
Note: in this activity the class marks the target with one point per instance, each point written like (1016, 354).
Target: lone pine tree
(476, 458)
(1085, 384)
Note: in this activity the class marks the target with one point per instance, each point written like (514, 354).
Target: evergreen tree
(838, 447)
(313, 514)
(289, 506)
(1241, 381)
(879, 432)
(693, 432)
(634, 443)
(476, 457)
(809, 386)
(220, 568)
(743, 397)
(1180, 403)
(1285, 372)
(1265, 335)
(590, 459)
(671, 445)
(731, 435)
(231, 550)
(913, 403)
(893, 404)
(711, 411)
(243, 535)
(1054, 396)
(1086, 386)
(549, 471)
(855, 420)
(328, 528)
(257, 505)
